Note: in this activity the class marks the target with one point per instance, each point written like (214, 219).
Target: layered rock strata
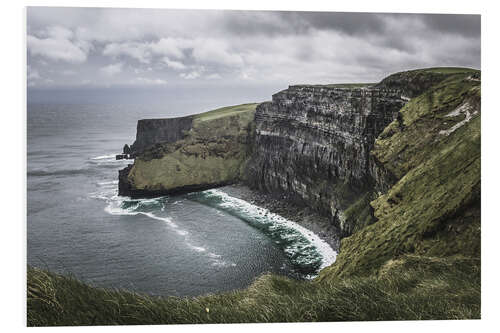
(312, 144)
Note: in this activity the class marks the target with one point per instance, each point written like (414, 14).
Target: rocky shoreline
(284, 207)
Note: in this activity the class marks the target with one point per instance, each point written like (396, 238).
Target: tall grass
(412, 288)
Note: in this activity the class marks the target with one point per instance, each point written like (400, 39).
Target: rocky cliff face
(312, 145)
(153, 131)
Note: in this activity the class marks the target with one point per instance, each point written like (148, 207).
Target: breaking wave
(104, 157)
(307, 251)
(106, 161)
(152, 208)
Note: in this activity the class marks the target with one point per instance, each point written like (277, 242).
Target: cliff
(428, 169)
(419, 177)
(312, 144)
(188, 154)
(153, 131)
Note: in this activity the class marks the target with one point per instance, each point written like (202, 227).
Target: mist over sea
(184, 245)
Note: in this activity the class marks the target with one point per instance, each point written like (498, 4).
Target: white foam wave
(104, 157)
(113, 182)
(115, 207)
(328, 255)
(197, 248)
(107, 161)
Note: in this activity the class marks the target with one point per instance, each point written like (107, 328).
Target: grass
(447, 70)
(411, 289)
(359, 214)
(226, 111)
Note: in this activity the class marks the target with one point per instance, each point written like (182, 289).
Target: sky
(111, 52)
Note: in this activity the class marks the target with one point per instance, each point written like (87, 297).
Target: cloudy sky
(90, 48)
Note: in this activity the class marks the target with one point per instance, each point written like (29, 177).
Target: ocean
(188, 245)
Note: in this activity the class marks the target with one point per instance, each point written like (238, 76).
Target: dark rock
(124, 187)
(123, 157)
(312, 145)
(154, 131)
(126, 149)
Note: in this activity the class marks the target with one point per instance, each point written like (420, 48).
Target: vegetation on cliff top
(412, 83)
(419, 260)
(226, 111)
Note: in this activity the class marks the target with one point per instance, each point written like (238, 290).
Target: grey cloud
(348, 23)
(287, 22)
(170, 47)
(56, 49)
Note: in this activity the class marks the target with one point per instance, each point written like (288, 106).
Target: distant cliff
(190, 153)
(153, 131)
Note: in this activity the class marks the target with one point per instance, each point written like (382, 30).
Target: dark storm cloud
(464, 25)
(286, 22)
(347, 23)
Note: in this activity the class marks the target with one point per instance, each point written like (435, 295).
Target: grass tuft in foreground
(411, 288)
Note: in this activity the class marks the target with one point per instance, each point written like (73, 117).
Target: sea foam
(300, 244)
(119, 205)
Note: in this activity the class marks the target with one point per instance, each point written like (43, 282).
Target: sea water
(185, 245)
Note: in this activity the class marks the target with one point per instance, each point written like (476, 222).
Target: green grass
(446, 70)
(413, 289)
(226, 111)
(359, 214)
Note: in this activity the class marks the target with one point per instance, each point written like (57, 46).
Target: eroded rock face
(312, 143)
(153, 131)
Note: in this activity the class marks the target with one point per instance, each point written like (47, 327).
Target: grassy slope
(447, 70)
(414, 290)
(226, 111)
(420, 260)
